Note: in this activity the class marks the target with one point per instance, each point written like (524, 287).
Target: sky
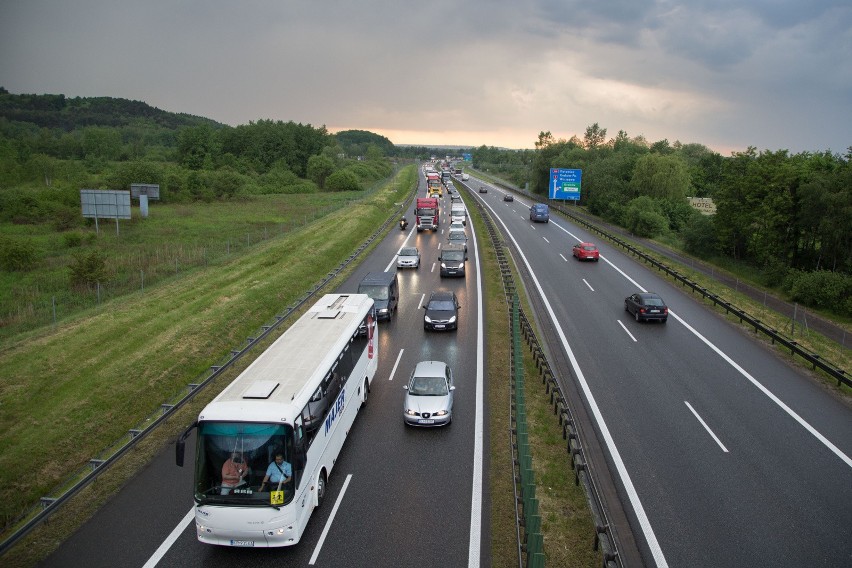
(773, 74)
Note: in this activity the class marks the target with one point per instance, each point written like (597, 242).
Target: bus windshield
(234, 458)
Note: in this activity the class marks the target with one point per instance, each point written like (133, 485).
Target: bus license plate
(242, 543)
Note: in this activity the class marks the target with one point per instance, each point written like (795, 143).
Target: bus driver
(278, 473)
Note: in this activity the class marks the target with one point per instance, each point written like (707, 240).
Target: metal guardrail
(814, 359)
(529, 542)
(95, 467)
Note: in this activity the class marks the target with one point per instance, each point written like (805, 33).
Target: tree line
(787, 216)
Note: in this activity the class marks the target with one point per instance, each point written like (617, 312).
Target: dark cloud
(727, 74)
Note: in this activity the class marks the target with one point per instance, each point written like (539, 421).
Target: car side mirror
(452, 388)
(405, 387)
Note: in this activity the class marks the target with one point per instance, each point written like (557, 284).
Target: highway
(398, 495)
(720, 451)
(724, 454)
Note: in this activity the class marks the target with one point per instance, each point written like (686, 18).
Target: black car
(646, 306)
(483, 189)
(442, 311)
(508, 197)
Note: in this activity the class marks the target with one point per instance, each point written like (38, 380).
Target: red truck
(426, 213)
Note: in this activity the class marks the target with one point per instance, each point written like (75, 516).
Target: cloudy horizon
(768, 74)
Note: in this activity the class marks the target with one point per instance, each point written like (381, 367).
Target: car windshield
(442, 305)
(454, 256)
(428, 386)
(457, 236)
(375, 292)
(654, 302)
(589, 247)
(409, 251)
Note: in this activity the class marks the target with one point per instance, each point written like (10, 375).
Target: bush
(343, 180)
(72, 239)
(17, 255)
(821, 289)
(88, 268)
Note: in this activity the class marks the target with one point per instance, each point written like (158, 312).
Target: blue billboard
(565, 184)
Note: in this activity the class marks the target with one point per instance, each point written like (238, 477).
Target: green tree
(643, 219)
(197, 147)
(595, 137)
(319, 168)
(659, 176)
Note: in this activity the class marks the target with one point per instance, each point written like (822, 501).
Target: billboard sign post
(565, 184)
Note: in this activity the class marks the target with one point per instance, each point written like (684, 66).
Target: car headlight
(443, 265)
(441, 413)
(383, 311)
(453, 319)
(427, 319)
(410, 412)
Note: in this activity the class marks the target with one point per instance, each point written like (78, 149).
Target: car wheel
(637, 315)
(626, 309)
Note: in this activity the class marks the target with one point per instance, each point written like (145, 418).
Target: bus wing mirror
(180, 445)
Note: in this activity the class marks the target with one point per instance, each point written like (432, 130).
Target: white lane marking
(395, 365)
(834, 449)
(706, 427)
(589, 285)
(632, 494)
(545, 240)
(433, 267)
(474, 542)
(420, 305)
(837, 451)
(170, 540)
(563, 257)
(330, 519)
(627, 331)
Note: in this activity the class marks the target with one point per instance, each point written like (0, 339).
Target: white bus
(299, 399)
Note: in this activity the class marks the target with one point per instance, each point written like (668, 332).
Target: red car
(586, 251)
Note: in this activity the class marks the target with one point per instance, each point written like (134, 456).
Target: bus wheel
(321, 489)
(366, 391)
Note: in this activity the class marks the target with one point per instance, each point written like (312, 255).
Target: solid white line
(706, 427)
(474, 542)
(330, 519)
(170, 540)
(834, 449)
(632, 494)
(395, 365)
(589, 285)
(627, 331)
(768, 393)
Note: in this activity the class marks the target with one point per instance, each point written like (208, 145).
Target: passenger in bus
(278, 473)
(234, 471)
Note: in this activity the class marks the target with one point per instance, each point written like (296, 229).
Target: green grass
(174, 238)
(567, 524)
(69, 391)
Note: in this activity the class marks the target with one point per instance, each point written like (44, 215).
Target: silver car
(429, 395)
(408, 257)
